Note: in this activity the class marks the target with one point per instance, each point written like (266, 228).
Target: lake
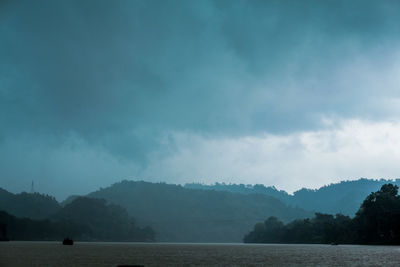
(167, 254)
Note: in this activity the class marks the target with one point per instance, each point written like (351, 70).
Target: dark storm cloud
(122, 74)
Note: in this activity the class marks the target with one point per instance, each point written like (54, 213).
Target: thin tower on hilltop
(32, 188)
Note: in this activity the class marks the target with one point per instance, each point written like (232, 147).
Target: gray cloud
(122, 75)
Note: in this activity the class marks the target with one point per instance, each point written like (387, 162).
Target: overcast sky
(286, 93)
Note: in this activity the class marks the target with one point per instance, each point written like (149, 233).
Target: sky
(286, 93)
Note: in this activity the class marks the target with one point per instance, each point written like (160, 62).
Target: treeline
(29, 205)
(84, 219)
(376, 222)
(14, 228)
(344, 197)
(179, 214)
(175, 213)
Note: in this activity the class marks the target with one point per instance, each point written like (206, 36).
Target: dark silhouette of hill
(32, 230)
(34, 206)
(376, 222)
(84, 219)
(344, 197)
(244, 189)
(193, 213)
(189, 215)
(104, 222)
(68, 200)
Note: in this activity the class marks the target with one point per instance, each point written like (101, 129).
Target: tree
(270, 231)
(376, 222)
(378, 218)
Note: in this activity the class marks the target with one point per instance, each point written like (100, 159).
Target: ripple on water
(157, 254)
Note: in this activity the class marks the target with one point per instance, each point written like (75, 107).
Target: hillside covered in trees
(178, 214)
(376, 222)
(84, 219)
(344, 197)
(190, 213)
(33, 206)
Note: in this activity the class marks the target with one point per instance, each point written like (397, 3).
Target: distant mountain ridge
(196, 212)
(176, 214)
(103, 221)
(33, 206)
(83, 219)
(344, 197)
(179, 214)
(376, 223)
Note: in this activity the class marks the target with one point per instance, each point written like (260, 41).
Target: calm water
(112, 254)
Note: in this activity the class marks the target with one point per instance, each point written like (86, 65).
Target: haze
(285, 93)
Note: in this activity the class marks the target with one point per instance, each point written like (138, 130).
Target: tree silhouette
(378, 219)
(376, 222)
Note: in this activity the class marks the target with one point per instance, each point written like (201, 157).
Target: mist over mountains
(174, 213)
(191, 215)
(35, 216)
(344, 197)
(33, 206)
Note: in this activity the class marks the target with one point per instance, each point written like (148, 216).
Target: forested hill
(84, 219)
(376, 223)
(34, 206)
(191, 214)
(344, 197)
(179, 214)
(244, 189)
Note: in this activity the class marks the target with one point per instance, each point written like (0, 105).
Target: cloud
(96, 67)
(59, 167)
(347, 149)
(121, 76)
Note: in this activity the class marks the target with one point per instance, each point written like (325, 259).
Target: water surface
(166, 254)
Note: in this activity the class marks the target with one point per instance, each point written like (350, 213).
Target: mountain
(344, 197)
(244, 189)
(27, 229)
(104, 222)
(33, 206)
(190, 213)
(68, 200)
(376, 223)
(179, 214)
(84, 219)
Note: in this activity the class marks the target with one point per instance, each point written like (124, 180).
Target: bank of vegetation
(84, 219)
(221, 213)
(344, 197)
(179, 214)
(376, 222)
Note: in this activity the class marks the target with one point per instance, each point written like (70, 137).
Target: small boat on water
(68, 241)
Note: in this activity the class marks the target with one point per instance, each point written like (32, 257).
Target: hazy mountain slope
(244, 189)
(190, 215)
(34, 206)
(28, 229)
(68, 200)
(84, 219)
(104, 222)
(344, 197)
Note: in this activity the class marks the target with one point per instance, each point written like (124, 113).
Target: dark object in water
(68, 241)
(125, 265)
(334, 244)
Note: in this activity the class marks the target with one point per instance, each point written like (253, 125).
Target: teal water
(167, 254)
